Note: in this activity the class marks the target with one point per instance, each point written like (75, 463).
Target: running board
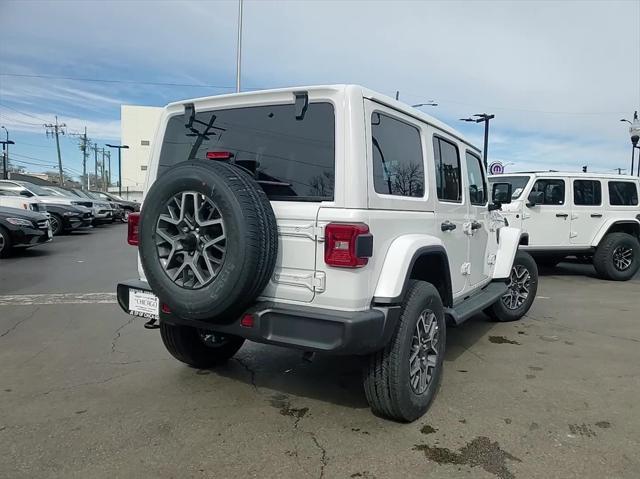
(475, 303)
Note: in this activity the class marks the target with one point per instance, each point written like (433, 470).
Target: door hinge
(319, 280)
(573, 234)
(491, 260)
(465, 269)
(574, 216)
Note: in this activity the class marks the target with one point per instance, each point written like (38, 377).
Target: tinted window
(553, 191)
(447, 160)
(292, 159)
(587, 192)
(477, 184)
(623, 193)
(398, 168)
(517, 183)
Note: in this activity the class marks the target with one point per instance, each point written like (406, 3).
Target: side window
(477, 182)
(448, 180)
(623, 193)
(553, 191)
(398, 167)
(587, 193)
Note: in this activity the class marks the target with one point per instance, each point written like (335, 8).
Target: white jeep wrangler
(329, 219)
(595, 217)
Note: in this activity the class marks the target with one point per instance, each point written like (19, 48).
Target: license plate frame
(143, 304)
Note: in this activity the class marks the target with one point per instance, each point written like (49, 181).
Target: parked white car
(12, 199)
(328, 218)
(593, 216)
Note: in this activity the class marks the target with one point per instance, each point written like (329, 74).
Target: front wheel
(5, 242)
(198, 348)
(401, 380)
(521, 291)
(617, 257)
(56, 224)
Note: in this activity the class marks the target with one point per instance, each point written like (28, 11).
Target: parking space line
(57, 298)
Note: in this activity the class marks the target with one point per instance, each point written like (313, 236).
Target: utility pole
(479, 118)
(239, 47)
(5, 155)
(109, 171)
(103, 170)
(84, 141)
(56, 130)
(95, 159)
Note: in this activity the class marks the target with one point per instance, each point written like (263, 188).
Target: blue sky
(557, 75)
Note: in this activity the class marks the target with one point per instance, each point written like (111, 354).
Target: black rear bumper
(294, 326)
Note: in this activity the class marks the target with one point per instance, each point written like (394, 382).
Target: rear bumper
(299, 327)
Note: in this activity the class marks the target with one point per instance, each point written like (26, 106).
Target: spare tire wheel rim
(423, 356)
(622, 258)
(191, 240)
(518, 287)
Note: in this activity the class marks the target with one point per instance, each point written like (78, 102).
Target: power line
(10, 118)
(22, 112)
(109, 80)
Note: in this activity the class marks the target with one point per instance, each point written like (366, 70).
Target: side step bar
(475, 303)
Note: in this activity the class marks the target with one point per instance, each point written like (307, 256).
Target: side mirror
(501, 193)
(26, 193)
(535, 198)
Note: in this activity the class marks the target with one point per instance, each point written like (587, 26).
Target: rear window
(518, 183)
(623, 193)
(292, 159)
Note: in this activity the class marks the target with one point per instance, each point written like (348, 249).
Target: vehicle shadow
(568, 267)
(277, 371)
(35, 252)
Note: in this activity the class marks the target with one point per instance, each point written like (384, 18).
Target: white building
(138, 127)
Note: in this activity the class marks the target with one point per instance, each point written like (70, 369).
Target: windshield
(292, 158)
(57, 192)
(38, 190)
(518, 183)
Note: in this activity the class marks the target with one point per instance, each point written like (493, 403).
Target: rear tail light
(247, 321)
(347, 245)
(132, 230)
(165, 308)
(219, 155)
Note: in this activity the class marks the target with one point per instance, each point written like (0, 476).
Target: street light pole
(120, 148)
(5, 155)
(634, 133)
(239, 47)
(479, 118)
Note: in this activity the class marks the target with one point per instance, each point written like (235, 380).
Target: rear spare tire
(208, 240)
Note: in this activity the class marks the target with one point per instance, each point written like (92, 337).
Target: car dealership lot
(88, 392)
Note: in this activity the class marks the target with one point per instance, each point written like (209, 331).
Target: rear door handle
(476, 225)
(561, 215)
(596, 215)
(448, 226)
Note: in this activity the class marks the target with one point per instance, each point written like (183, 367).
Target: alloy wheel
(2, 243)
(622, 258)
(424, 351)
(518, 287)
(54, 224)
(190, 240)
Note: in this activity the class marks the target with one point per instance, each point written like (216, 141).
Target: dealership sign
(496, 168)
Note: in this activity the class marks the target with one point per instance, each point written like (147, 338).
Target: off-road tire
(186, 345)
(6, 243)
(251, 244)
(499, 311)
(603, 258)
(58, 224)
(387, 376)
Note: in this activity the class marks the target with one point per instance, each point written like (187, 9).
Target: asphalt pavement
(86, 391)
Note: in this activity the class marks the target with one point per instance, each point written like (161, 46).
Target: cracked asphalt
(86, 391)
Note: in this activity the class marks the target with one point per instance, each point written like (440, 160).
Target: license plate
(143, 304)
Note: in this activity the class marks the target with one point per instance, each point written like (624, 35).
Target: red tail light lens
(132, 230)
(247, 321)
(347, 245)
(219, 155)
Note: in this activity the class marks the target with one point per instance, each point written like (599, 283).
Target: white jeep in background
(328, 219)
(595, 217)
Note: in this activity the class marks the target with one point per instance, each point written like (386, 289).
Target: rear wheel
(401, 380)
(617, 257)
(56, 224)
(521, 292)
(5, 242)
(198, 348)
